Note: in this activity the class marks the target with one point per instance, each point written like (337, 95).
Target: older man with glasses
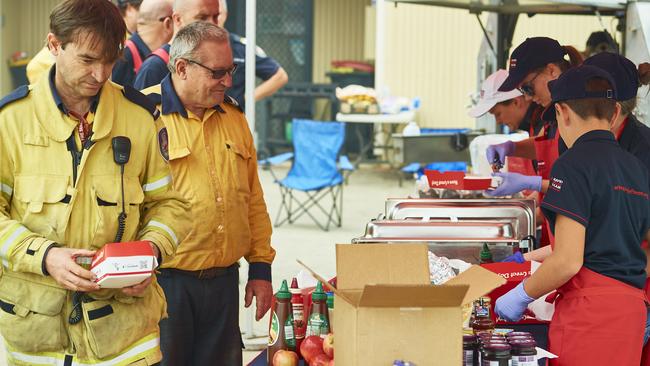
(211, 153)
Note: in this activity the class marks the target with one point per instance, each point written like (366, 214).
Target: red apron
(597, 321)
(546, 149)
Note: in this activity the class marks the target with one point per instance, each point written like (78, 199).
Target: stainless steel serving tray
(499, 230)
(519, 212)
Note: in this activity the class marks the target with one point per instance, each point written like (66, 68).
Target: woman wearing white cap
(509, 108)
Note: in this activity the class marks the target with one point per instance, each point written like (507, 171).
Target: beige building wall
(338, 33)
(432, 51)
(26, 23)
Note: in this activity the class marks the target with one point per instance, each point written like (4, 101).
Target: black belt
(204, 274)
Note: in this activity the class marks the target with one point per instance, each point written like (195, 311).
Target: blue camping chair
(317, 171)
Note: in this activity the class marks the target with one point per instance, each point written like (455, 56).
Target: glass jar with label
(470, 350)
(523, 353)
(496, 355)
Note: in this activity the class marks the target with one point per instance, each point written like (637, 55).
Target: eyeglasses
(162, 19)
(527, 88)
(216, 74)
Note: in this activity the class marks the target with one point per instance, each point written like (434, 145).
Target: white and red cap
(490, 94)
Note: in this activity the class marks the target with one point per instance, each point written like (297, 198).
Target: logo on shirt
(556, 184)
(163, 144)
(631, 191)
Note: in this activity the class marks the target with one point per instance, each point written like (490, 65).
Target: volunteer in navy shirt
(125, 68)
(598, 207)
(153, 70)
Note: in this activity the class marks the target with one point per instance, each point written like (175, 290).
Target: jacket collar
(49, 109)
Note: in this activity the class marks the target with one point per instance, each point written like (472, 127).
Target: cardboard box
(119, 265)
(386, 309)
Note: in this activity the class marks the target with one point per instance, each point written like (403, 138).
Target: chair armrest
(345, 164)
(276, 160)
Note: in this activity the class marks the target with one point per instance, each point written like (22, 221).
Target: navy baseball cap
(622, 70)
(571, 85)
(533, 53)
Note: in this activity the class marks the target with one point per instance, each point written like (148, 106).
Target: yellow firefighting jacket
(42, 204)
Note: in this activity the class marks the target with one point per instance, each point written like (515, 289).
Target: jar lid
(523, 343)
(513, 334)
(498, 348)
(469, 338)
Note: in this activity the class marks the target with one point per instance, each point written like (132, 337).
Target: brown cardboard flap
(480, 280)
(327, 285)
(358, 265)
(423, 296)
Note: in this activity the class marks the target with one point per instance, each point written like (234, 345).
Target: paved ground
(363, 199)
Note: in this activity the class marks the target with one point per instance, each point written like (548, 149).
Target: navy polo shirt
(265, 67)
(171, 103)
(94, 102)
(123, 73)
(635, 139)
(606, 189)
(152, 72)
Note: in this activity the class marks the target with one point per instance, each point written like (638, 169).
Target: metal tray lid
(440, 230)
(519, 212)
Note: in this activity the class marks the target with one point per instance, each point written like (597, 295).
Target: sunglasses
(216, 74)
(527, 87)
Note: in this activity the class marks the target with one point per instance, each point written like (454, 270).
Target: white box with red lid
(119, 265)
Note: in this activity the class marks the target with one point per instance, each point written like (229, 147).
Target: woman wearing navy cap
(598, 206)
(533, 64)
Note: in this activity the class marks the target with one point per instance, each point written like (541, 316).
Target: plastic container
(411, 129)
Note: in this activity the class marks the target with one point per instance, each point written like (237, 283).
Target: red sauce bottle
(298, 305)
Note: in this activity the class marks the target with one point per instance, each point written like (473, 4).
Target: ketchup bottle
(298, 305)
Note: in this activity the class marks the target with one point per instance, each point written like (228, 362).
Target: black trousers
(203, 324)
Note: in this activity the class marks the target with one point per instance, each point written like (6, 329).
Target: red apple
(328, 345)
(311, 347)
(320, 360)
(285, 358)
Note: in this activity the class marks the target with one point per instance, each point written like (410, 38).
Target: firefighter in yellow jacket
(62, 190)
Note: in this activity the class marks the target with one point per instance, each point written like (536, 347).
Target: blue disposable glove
(512, 305)
(515, 182)
(497, 153)
(516, 258)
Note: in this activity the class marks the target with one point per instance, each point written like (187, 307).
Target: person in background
(269, 70)
(598, 206)
(154, 69)
(155, 28)
(509, 108)
(600, 41)
(129, 10)
(213, 161)
(66, 191)
(533, 64)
